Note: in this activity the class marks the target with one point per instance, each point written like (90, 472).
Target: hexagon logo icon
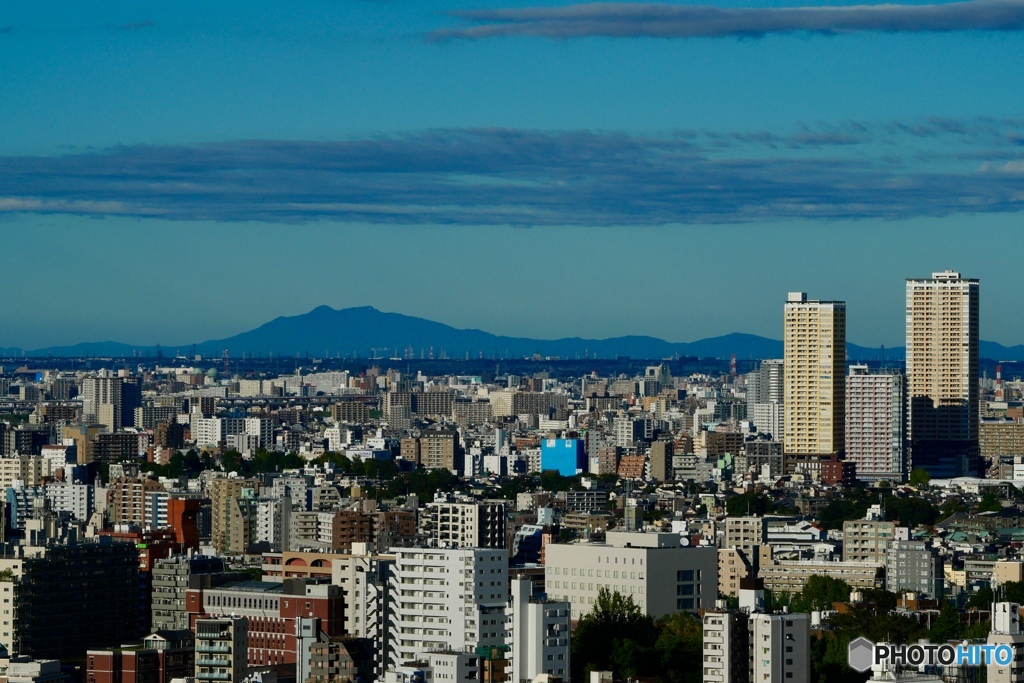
(861, 654)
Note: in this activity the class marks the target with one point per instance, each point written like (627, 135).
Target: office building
(272, 610)
(942, 375)
(652, 568)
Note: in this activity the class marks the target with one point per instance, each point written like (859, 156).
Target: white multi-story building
(74, 498)
(538, 636)
(273, 523)
(1006, 630)
(726, 647)
(767, 418)
(754, 646)
(211, 431)
(447, 599)
(467, 525)
(875, 423)
(659, 574)
(363, 577)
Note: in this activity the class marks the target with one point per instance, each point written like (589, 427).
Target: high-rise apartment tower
(815, 379)
(942, 374)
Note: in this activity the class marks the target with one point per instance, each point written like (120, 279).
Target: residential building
(1006, 630)
(467, 525)
(447, 599)
(173, 576)
(161, 657)
(221, 649)
(875, 424)
(233, 506)
(814, 379)
(867, 540)
(942, 374)
(791, 575)
(538, 634)
(68, 598)
(914, 566)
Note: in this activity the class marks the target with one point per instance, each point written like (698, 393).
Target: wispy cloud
(532, 178)
(135, 26)
(657, 20)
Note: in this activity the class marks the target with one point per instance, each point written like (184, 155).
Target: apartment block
(876, 424)
(447, 599)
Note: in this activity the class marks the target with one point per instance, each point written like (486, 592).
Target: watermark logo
(863, 654)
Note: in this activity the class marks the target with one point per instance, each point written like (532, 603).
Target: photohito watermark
(864, 654)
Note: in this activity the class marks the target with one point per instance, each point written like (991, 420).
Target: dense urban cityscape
(189, 518)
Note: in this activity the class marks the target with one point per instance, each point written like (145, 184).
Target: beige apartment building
(232, 503)
(814, 371)
(942, 374)
(868, 540)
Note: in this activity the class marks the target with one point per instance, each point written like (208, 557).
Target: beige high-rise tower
(815, 380)
(942, 374)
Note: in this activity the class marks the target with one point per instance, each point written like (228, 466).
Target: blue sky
(180, 172)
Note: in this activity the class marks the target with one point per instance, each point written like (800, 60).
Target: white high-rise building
(942, 374)
(875, 410)
(447, 599)
(538, 636)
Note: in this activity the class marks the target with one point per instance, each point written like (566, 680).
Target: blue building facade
(566, 456)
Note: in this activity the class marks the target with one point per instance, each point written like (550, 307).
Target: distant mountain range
(366, 332)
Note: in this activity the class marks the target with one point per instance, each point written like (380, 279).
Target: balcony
(213, 661)
(213, 676)
(217, 649)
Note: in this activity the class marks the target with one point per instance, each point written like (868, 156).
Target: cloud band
(654, 20)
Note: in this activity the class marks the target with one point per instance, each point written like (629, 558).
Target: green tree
(950, 508)
(947, 627)
(616, 635)
(989, 503)
(820, 592)
(749, 503)
(679, 644)
(919, 477)
(911, 512)
(980, 600)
